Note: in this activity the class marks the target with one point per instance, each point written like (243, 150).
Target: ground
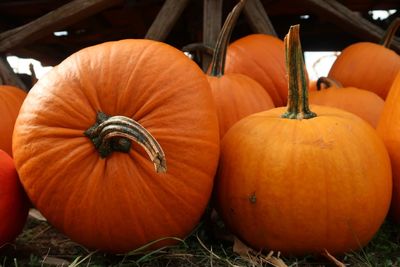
(42, 245)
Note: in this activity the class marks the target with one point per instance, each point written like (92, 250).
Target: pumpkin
(13, 201)
(261, 57)
(11, 99)
(388, 129)
(85, 131)
(365, 104)
(301, 182)
(236, 95)
(368, 66)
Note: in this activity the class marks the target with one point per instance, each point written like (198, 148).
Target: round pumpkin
(368, 66)
(301, 182)
(236, 95)
(73, 150)
(13, 201)
(365, 104)
(11, 99)
(262, 58)
(388, 129)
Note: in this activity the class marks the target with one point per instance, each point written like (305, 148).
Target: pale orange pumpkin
(389, 128)
(368, 66)
(301, 182)
(73, 151)
(365, 104)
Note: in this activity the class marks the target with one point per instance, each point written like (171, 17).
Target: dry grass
(42, 245)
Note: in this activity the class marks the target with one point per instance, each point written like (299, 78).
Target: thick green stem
(219, 56)
(115, 133)
(298, 107)
(390, 33)
(328, 82)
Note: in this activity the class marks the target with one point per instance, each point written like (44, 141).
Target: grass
(42, 245)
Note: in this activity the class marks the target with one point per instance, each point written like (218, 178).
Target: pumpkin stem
(115, 133)
(219, 55)
(327, 82)
(298, 107)
(390, 33)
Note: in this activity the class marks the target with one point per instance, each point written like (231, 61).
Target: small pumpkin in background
(11, 99)
(236, 95)
(389, 130)
(262, 58)
(300, 182)
(368, 66)
(86, 129)
(14, 204)
(365, 104)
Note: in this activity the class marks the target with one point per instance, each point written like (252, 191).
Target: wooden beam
(166, 19)
(7, 75)
(350, 21)
(258, 18)
(58, 19)
(212, 20)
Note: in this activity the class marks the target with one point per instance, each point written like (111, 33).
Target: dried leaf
(34, 213)
(333, 259)
(240, 248)
(55, 261)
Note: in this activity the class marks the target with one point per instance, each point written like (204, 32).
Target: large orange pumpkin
(369, 66)
(303, 182)
(365, 104)
(236, 95)
(13, 201)
(11, 99)
(389, 129)
(70, 156)
(262, 58)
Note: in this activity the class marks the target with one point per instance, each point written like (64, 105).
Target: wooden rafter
(258, 18)
(166, 19)
(212, 20)
(350, 21)
(58, 19)
(7, 75)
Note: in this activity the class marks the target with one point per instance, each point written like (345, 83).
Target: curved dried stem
(115, 133)
(219, 56)
(390, 33)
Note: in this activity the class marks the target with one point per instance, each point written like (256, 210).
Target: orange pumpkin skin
(237, 96)
(363, 103)
(300, 186)
(13, 201)
(119, 203)
(368, 66)
(388, 129)
(262, 58)
(11, 99)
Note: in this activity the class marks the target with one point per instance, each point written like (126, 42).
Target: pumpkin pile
(124, 143)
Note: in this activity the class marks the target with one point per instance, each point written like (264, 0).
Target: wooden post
(55, 20)
(212, 20)
(350, 21)
(166, 19)
(258, 18)
(7, 75)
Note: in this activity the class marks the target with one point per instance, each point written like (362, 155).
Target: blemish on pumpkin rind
(253, 198)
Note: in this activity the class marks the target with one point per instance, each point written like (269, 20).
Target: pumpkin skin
(13, 201)
(301, 182)
(262, 58)
(119, 203)
(11, 99)
(368, 66)
(365, 104)
(237, 96)
(388, 129)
